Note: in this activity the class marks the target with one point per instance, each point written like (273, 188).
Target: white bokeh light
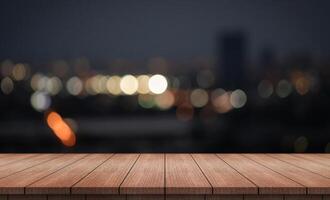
(157, 84)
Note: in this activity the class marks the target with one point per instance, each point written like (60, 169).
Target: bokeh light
(165, 100)
(146, 100)
(199, 98)
(7, 85)
(129, 84)
(265, 89)
(19, 72)
(74, 86)
(238, 98)
(143, 84)
(40, 101)
(113, 85)
(221, 100)
(157, 84)
(53, 85)
(61, 129)
(284, 88)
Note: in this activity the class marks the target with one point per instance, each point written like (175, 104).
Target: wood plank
(66, 197)
(10, 158)
(263, 197)
(315, 183)
(61, 181)
(317, 158)
(147, 176)
(303, 197)
(14, 184)
(306, 164)
(268, 181)
(223, 178)
(27, 197)
(185, 197)
(183, 176)
(107, 178)
(20, 165)
(105, 197)
(224, 197)
(145, 197)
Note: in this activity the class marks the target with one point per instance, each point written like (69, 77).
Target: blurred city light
(113, 85)
(157, 84)
(7, 85)
(221, 100)
(265, 89)
(165, 100)
(284, 88)
(61, 129)
(199, 98)
(74, 86)
(143, 84)
(238, 98)
(40, 101)
(19, 72)
(129, 84)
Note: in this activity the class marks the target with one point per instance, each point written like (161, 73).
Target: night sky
(138, 29)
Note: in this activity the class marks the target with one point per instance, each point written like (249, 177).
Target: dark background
(276, 52)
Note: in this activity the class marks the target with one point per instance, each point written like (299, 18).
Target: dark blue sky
(138, 29)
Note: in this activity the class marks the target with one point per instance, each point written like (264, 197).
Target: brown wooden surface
(107, 178)
(223, 178)
(314, 183)
(61, 181)
(15, 183)
(147, 176)
(268, 181)
(165, 176)
(183, 176)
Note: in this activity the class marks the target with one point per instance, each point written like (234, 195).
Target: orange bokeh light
(61, 129)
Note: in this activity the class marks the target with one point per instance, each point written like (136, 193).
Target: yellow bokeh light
(157, 84)
(143, 84)
(129, 84)
(113, 85)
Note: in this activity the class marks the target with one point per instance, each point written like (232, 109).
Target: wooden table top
(173, 174)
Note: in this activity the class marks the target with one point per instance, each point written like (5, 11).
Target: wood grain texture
(183, 176)
(14, 167)
(315, 183)
(66, 197)
(185, 197)
(317, 158)
(303, 197)
(15, 183)
(263, 197)
(223, 178)
(268, 181)
(105, 197)
(145, 197)
(224, 197)
(306, 164)
(61, 181)
(147, 176)
(107, 178)
(27, 197)
(10, 158)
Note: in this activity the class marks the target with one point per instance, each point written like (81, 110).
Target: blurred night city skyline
(164, 76)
